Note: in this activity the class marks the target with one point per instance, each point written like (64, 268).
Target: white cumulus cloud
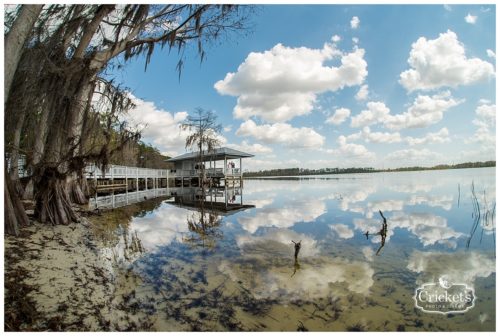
(336, 38)
(339, 116)
(286, 217)
(485, 121)
(282, 83)
(375, 137)
(251, 148)
(380, 137)
(160, 127)
(362, 93)
(442, 62)
(413, 156)
(342, 230)
(376, 112)
(491, 53)
(470, 18)
(349, 150)
(281, 133)
(425, 111)
(440, 136)
(355, 22)
(460, 267)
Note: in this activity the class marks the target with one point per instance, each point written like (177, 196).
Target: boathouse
(223, 167)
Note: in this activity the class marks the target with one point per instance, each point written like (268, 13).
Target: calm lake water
(236, 271)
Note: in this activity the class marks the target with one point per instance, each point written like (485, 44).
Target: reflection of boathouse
(222, 200)
(223, 167)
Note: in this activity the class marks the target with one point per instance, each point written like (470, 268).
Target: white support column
(225, 192)
(112, 188)
(95, 179)
(126, 185)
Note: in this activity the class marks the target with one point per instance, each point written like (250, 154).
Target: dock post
(225, 193)
(112, 188)
(126, 185)
(95, 180)
(241, 175)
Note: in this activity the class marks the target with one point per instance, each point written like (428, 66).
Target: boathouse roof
(218, 154)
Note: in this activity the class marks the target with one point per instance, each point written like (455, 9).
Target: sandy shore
(56, 278)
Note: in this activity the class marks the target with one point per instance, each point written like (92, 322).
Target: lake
(236, 270)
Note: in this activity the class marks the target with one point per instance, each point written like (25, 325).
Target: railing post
(95, 180)
(126, 185)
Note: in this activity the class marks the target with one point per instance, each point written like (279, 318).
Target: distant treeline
(353, 170)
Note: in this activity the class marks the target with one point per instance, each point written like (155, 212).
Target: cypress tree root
(53, 203)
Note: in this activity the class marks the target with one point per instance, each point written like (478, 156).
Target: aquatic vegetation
(485, 219)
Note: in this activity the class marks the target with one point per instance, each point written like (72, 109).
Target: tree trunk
(15, 40)
(55, 183)
(14, 153)
(76, 189)
(37, 152)
(15, 215)
(53, 203)
(76, 181)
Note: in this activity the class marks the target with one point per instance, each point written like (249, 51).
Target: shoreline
(57, 278)
(350, 171)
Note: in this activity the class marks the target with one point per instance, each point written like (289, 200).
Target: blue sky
(317, 86)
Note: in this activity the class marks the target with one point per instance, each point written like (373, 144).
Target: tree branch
(91, 29)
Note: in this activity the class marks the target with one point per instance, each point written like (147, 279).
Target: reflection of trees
(110, 224)
(133, 246)
(204, 227)
(114, 229)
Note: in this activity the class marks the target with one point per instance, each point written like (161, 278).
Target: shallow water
(236, 271)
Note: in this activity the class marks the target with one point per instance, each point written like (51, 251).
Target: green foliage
(149, 156)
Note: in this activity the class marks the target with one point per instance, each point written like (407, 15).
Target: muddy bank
(57, 278)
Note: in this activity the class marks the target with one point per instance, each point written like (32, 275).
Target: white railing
(21, 165)
(123, 199)
(215, 172)
(91, 171)
(115, 171)
(233, 171)
(208, 172)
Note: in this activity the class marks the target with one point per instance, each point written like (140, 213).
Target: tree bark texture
(15, 40)
(15, 215)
